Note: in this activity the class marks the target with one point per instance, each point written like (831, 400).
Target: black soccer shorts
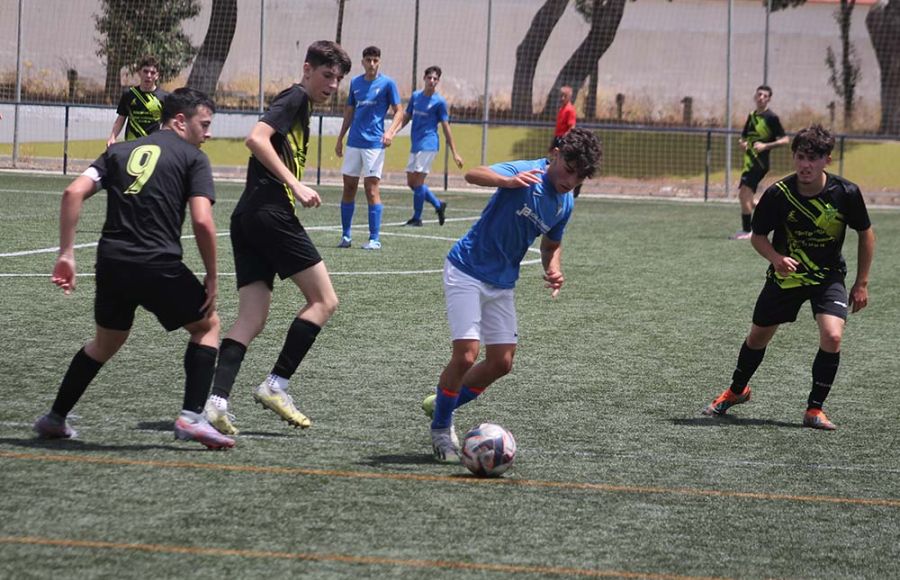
(776, 305)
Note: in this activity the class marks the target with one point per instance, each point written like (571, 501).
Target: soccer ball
(488, 450)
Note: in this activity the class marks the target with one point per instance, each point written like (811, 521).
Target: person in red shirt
(565, 120)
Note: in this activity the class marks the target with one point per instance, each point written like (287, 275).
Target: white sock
(277, 382)
(218, 402)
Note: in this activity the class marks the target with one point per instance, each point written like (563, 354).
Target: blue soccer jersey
(494, 247)
(426, 113)
(371, 100)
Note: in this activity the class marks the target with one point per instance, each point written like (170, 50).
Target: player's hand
(759, 146)
(554, 280)
(524, 179)
(307, 196)
(64, 274)
(387, 140)
(859, 296)
(458, 160)
(212, 290)
(785, 265)
(339, 148)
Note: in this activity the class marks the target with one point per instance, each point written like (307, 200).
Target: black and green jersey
(148, 184)
(289, 116)
(810, 229)
(143, 110)
(765, 127)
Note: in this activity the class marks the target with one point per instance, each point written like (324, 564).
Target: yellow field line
(345, 559)
(535, 483)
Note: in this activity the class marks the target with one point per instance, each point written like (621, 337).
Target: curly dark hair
(581, 149)
(327, 53)
(814, 141)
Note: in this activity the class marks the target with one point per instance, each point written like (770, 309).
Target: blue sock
(430, 197)
(375, 220)
(468, 394)
(418, 201)
(347, 217)
(444, 405)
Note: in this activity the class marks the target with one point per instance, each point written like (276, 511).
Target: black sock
(746, 221)
(747, 363)
(82, 371)
(300, 338)
(199, 366)
(824, 369)
(231, 355)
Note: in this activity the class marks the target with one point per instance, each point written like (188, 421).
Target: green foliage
(130, 29)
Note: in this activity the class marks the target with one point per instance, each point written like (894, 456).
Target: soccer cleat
(727, 400)
(193, 427)
(443, 447)
(740, 235)
(345, 242)
(221, 419)
(816, 419)
(413, 222)
(52, 426)
(372, 245)
(441, 212)
(278, 401)
(428, 407)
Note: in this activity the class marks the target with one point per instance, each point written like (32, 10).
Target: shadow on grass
(79, 445)
(407, 459)
(728, 420)
(169, 426)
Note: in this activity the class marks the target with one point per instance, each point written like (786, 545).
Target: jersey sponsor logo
(529, 214)
(792, 216)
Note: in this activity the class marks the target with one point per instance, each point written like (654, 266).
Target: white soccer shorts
(363, 162)
(479, 311)
(420, 161)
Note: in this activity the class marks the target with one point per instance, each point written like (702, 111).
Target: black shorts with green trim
(776, 305)
(753, 176)
(171, 292)
(268, 241)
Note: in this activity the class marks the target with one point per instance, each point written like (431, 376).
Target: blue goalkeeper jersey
(426, 113)
(496, 244)
(371, 100)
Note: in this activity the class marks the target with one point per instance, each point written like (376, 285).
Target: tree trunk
(529, 52)
(216, 45)
(883, 24)
(605, 19)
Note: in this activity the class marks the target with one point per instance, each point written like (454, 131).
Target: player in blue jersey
(533, 198)
(372, 94)
(426, 109)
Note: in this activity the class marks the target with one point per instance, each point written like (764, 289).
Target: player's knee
(831, 341)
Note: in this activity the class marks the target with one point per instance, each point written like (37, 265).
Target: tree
(883, 24)
(130, 29)
(216, 45)
(529, 52)
(605, 17)
(844, 77)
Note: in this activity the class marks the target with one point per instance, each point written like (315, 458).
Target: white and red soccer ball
(488, 450)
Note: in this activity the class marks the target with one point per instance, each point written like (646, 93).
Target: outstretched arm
(205, 234)
(73, 199)
(859, 293)
(486, 177)
(551, 259)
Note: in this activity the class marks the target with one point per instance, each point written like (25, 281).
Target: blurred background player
(427, 109)
(268, 239)
(565, 121)
(532, 199)
(762, 132)
(140, 107)
(371, 95)
(149, 182)
(809, 212)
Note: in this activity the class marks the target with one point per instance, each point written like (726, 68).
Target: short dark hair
(433, 69)
(185, 100)
(327, 53)
(581, 149)
(371, 51)
(148, 60)
(814, 141)
(766, 88)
